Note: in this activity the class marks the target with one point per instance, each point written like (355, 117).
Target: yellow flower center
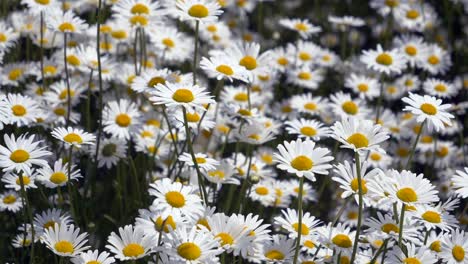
(261, 190)
(274, 255)
(375, 156)
(42, 2)
(123, 120)
(426, 139)
(139, 20)
(433, 60)
(352, 215)
(358, 140)
(389, 227)
(458, 253)
(155, 81)
(302, 163)
(133, 250)
(350, 107)
(411, 50)
(432, 217)
(308, 131)
(19, 156)
(50, 69)
(241, 97)
(384, 59)
(225, 239)
(189, 251)
(225, 69)
(409, 83)
(342, 240)
(14, 74)
(355, 185)
(411, 261)
(442, 152)
(169, 222)
(169, 43)
(392, 3)
(244, 112)
(200, 160)
(140, 8)
(26, 180)
(119, 34)
(193, 118)
(217, 173)
(407, 195)
(18, 110)
(64, 247)
(309, 244)
(283, 61)
(58, 177)
(175, 199)
(362, 87)
(49, 224)
(93, 262)
(301, 27)
(73, 60)
(249, 62)
(73, 138)
(59, 111)
(198, 11)
(183, 96)
(9, 199)
(67, 27)
(436, 246)
(428, 109)
(412, 14)
(304, 76)
(304, 229)
(64, 93)
(440, 88)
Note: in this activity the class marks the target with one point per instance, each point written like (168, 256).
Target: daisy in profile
(204, 162)
(47, 219)
(191, 245)
(12, 180)
(75, 137)
(131, 243)
(303, 158)
(256, 133)
(301, 26)
(66, 22)
(290, 221)
(64, 240)
(180, 94)
(21, 153)
(10, 201)
(111, 150)
(280, 249)
(439, 88)
(428, 108)
(455, 247)
(411, 189)
(58, 175)
(345, 22)
(205, 11)
(120, 118)
(175, 198)
(360, 135)
(149, 79)
(8, 37)
(460, 182)
(384, 61)
(19, 110)
(93, 257)
(365, 87)
(307, 128)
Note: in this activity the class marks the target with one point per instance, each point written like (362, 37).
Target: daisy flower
(344, 106)
(359, 135)
(205, 11)
(434, 217)
(301, 26)
(191, 245)
(131, 243)
(460, 182)
(8, 37)
(412, 47)
(75, 137)
(303, 158)
(455, 247)
(411, 189)
(221, 66)
(22, 153)
(306, 77)
(138, 13)
(179, 94)
(362, 85)
(345, 22)
(48, 219)
(175, 198)
(278, 250)
(19, 110)
(255, 133)
(93, 257)
(263, 192)
(111, 150)
(38, 6)
(428, 108)
(204, 162)
(149, 79)
(290, 222)
(65, 241)
(339, 238)
(11, 201)
(12, 180)
(305, 128)
(436, 60)
(308, 104)
(439, 88)
(58, 175)
(121, 118)
(384, 61)
(413, 255)
(66, 22)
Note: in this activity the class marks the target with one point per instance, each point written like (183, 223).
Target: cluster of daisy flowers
(233, 131)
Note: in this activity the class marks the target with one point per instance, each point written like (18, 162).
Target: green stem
(41, 42)
(379, 251)
(98, 47)
(361, 205)
(67, 77)
(410, 158)
(70, 193)
(299, 229)
(194, 69)
(337, 217)
(29, 215)
(400, 234)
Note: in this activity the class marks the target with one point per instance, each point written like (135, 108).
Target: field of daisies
(233, 131)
